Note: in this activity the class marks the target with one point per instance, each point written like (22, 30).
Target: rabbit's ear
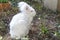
(27, 8)
(19, 4)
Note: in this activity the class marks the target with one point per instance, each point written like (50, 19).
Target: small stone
(39, 18)
(0, 37)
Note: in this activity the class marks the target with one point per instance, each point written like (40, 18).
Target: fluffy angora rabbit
(20, 23)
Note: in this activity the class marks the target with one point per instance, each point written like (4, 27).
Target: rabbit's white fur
(21, 4)
(20, 23)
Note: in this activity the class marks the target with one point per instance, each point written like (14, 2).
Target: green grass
(3, 1)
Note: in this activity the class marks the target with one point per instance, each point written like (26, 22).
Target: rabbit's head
(24, 7)
(28, 10)
(20, 4)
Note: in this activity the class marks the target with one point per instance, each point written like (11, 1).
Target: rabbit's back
(19, 26)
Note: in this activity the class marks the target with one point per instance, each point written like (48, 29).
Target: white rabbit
(20, 23)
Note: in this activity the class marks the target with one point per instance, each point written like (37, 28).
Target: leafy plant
(44, 29)
(3, 1)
